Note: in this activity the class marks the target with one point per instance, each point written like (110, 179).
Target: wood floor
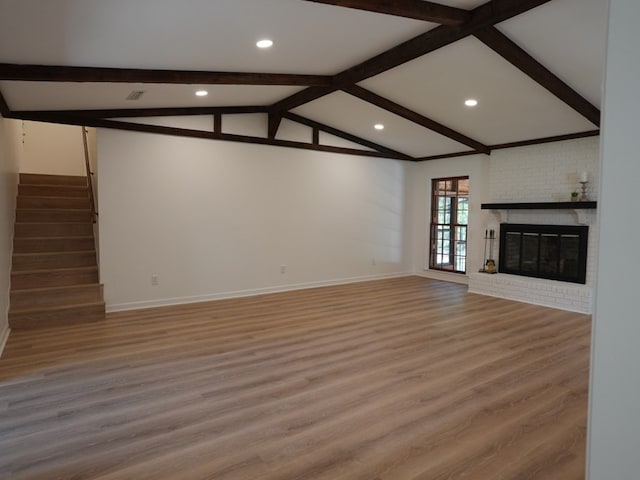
(388, 380)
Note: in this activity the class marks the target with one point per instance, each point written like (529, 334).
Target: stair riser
(52, 191)
(56, 296)
(52, 260)
(53, 216)
(43, 245)
(26, 230)
(53, 202)
(37, 179)
(21, 281)
(67, 317)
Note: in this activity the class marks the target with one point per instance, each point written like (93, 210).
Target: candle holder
(583, 197)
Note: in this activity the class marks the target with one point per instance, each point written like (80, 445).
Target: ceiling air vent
(135, 95)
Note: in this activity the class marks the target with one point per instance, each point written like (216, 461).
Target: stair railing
(94, 212)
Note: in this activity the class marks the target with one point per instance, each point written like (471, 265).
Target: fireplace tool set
(489, 262)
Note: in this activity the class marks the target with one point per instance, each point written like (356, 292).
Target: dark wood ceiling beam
(50, 73)
(182, 132)
(5, 111)
(415, 117)
(273, 123)
(555, 138)
(521, 143)
(486, 15)
(317, 126)
(515, 55)
(416, 9)
(154, 112)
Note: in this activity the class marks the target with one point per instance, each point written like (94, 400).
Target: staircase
(54, 276)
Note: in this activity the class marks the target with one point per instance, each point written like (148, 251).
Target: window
(449, 220)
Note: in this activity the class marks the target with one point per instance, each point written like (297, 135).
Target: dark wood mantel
(539, 206)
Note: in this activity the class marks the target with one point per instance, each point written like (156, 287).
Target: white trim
(444, 276)
(3, 339)
(247, 293)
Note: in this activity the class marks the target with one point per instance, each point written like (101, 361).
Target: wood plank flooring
(396, 379)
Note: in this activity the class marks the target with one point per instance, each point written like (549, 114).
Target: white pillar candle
(583, 177)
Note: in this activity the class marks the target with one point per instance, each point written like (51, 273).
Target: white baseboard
(444, 276)
(4, 336)
(246, 293)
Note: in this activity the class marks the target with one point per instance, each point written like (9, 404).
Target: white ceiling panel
(356, 117)
(569, 38)
(61, 96)
(511, 107)
(197, 34)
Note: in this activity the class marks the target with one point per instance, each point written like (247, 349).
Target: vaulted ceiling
(336, 68)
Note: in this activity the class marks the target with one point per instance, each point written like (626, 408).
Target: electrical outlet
(373, 260)
(283, 269)
(155, 279)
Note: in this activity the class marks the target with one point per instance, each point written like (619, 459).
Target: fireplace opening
(555, 252)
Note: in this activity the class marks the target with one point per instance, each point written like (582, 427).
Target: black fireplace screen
(556, 252)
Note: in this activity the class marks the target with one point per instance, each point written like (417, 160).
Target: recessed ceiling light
(471, 102)
(202, 93)
(378, 126)
(266, 43)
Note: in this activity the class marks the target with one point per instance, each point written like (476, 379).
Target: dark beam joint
(50, 73)
(5, 111)
(317, 126)
(217, 122)
(515, 55)
(315, 136)
(416, 9)
(415, 117)
(273, 125)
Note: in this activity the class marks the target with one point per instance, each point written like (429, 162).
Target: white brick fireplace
(542, 173)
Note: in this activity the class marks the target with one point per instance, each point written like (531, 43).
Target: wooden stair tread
(25, 229)
(51, 270)
(51, 210)
(56, 197)
(53, 308)
(61, 288)
(61, 253)
(34, 245)
(28, 297)
(76, 191)
(40, 178)
(55, 185)
(50, 223)
(59, 237)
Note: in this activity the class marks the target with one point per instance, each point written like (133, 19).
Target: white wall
(544, 173)
(614, 425)
(9, 147)
(476, 167)
(52, 149)
(215, 219)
